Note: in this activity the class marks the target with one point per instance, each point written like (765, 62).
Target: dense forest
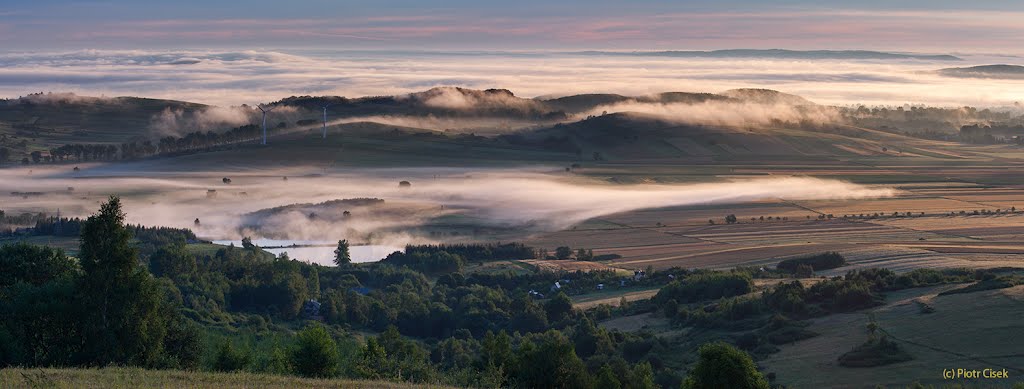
(146, 297)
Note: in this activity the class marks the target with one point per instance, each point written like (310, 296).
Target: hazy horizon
(221, 53)
(236, 77)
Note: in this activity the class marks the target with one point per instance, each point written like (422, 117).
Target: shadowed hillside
(781, 53)
(98, 118)
(441, 101)
(986, 71)
(459, 126)
(638, 136)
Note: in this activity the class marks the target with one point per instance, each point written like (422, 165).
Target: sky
(232, 53)
(943, 26)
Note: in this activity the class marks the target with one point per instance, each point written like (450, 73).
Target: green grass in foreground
(118, 377)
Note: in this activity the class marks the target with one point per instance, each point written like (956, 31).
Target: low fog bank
(229, 78)
(497, 112)
(525, 201)
(178, 121)
(729, 113)
(479, 126)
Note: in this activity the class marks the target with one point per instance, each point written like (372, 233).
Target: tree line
(182, 308)
(102, 309)
(168, 145)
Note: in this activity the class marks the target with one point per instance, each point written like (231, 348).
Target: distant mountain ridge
(384, 129)
(985, 71)
(781, 54)
(72, 117)
(502, 103)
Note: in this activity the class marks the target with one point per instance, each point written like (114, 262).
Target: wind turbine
(325, 118)
(265, 110)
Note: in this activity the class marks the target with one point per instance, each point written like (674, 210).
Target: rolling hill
(440, 101)
(96, 117)
(389, 130)
(39, 122)
(985, 71)
(633, 136)
(784, 54)
(604, 139)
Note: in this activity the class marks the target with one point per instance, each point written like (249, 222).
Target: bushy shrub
(823, 261)
(706, 286)
(427, 262)
(875, 352)
(723, 366)
(229, 358)
(315, 353)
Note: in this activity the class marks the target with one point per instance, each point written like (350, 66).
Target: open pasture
(570, 266)
(902, 204)
(699, 215)
(644, 321)
(68, 244)
(682, 236)
(953, 336)
(612, 296)
(598, 239)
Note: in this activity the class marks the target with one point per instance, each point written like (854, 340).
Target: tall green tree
(558, 307)
(341, 255)
(496, 349)
(548, 360)
(172, 261)
(606, 379)
(563, 252)
(123, 321)
(372, 361)
(37, 265)
(38, 324)
(642, 376)
(723, 366)
(591, 339)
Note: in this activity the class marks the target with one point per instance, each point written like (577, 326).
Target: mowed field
(68, 244)
(613, 296)
(971, 331)
(930, 237)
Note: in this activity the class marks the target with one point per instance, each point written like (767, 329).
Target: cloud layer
(248, 77)
(523, 200)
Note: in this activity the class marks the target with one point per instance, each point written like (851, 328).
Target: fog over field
(229, 78)
(731, 114)
(522, 194)
(520, 199)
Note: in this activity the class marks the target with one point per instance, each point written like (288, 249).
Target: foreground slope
(941, 338)
(119, 377)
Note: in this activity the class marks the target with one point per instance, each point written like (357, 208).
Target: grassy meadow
(135, 378)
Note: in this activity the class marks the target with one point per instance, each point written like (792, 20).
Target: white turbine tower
(265, 110)
(325, 119)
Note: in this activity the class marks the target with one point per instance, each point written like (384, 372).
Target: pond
(316, 251)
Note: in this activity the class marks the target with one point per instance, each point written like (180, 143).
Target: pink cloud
(850, 28)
